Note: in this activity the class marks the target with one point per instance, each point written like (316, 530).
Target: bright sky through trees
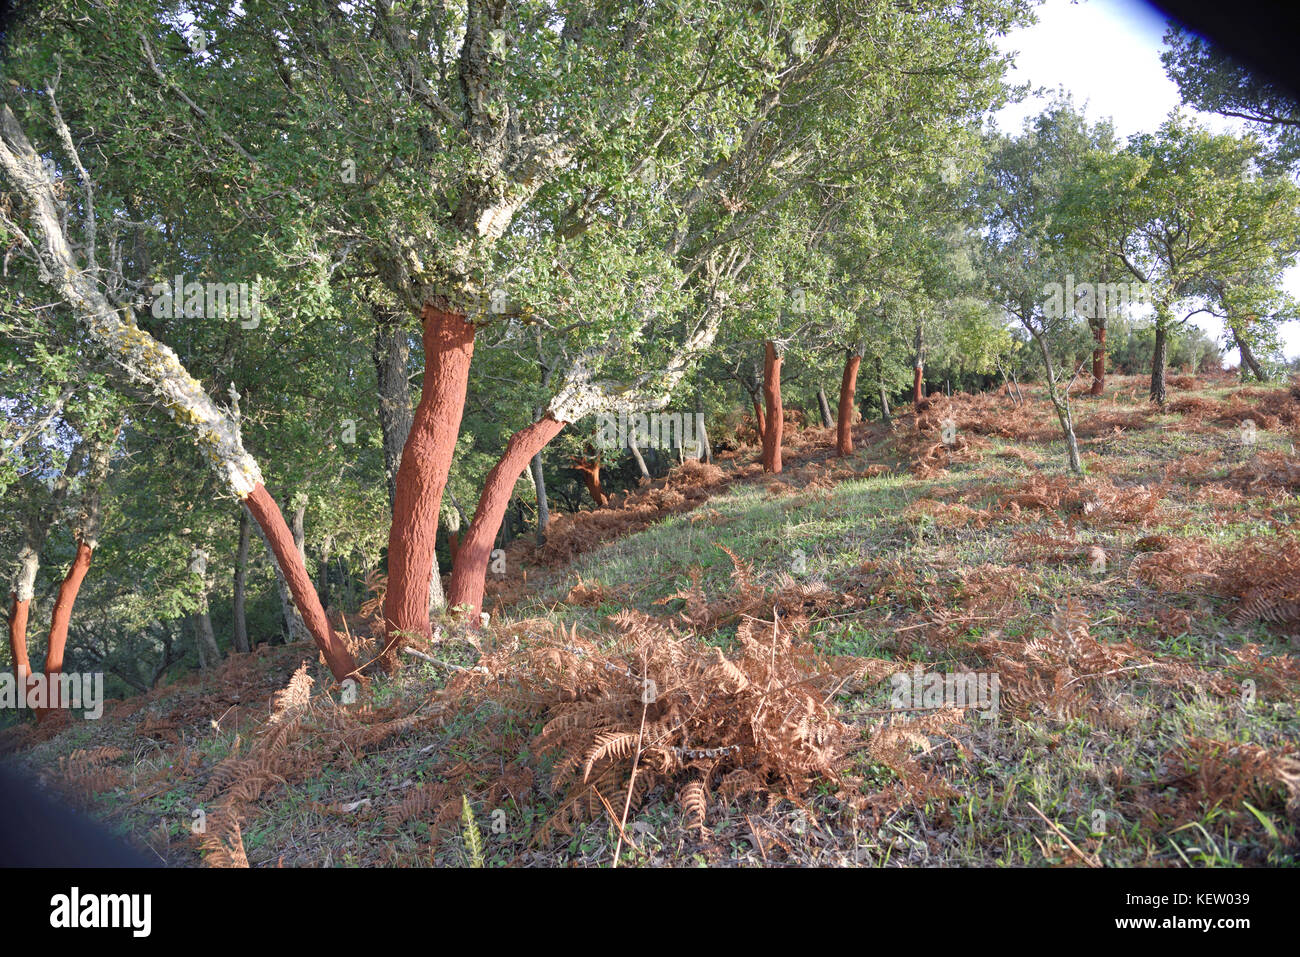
(1106, 54)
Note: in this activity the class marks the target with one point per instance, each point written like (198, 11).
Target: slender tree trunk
(775, 426)
(323, 570)
(392, 353)
(1158, 361)
(637, 457)
(422, 474)
(1098, 357)
(543, 506)
(848, 386)
(760, 424)
(1062, 406)
(469, 574)
(280, 541)
(824, 407)
(918, 373)
(240, 614)
(884, 396)
(706, 448)
(201, 620)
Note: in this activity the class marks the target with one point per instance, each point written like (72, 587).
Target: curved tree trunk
(1098, 357)
(1248, 359)
(760, 425)
(775, 426)
(848, 386)
(239, 613)
(422, 474)
(148, 361)
(469, 574)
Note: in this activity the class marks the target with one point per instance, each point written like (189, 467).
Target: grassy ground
(1140, 620)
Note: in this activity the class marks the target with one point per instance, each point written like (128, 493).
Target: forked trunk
(469, 574)
(18, 610)
(775, 425)
(848, 386)
(422, 475)
(60, 619)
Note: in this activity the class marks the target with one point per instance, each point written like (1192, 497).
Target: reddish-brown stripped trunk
(590, 472)
(1098, 361)
(18, 611)
(918, 385)
(422, 474)
(848, 386)
(268, 515)
(759, 424)
(775, 425)
(61, 618)
(469, 574)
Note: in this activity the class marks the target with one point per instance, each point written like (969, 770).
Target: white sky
(1106, 53)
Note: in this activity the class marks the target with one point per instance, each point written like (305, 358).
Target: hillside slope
(743, 648)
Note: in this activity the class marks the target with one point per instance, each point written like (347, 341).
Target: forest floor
(734, 644)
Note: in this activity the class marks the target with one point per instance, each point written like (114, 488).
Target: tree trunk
(422, 474)
(1098, 357)
(706, 448)
(918, 374)
(638, 458)
(775, 426)
(1248, 359)
(469, 574)
(147, 360)
(884, 396)
(1062, 406)
(760, 425)
(543, 506)
(392, 355)
(590, 472)
(323, 571)
(278, 538)
(20, 603)
(240, 614)
(825, 407)
(201, 619)
(61, 617)
(1158, 364)
(848, 386)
